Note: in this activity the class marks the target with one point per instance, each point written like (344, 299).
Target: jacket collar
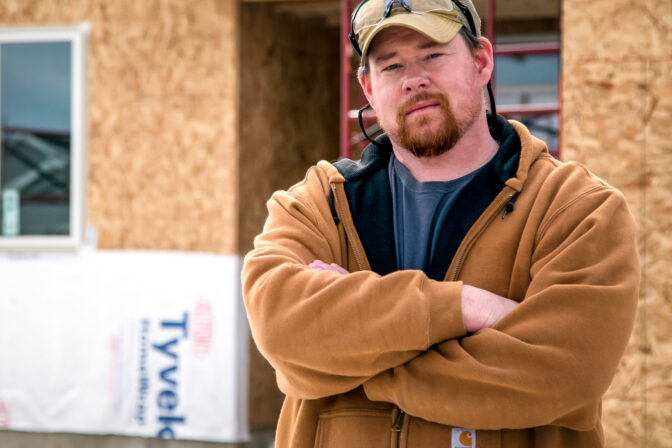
(513, 138)
(369, 197)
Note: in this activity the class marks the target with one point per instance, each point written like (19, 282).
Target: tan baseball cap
(439, 20)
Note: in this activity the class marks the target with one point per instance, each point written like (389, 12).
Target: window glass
(527, 79)
(543, 126)
(35, 114)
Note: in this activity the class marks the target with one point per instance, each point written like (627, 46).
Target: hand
(319, 265)
(483, 309)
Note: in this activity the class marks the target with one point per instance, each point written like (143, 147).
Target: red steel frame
(348, 115)
(346, 55)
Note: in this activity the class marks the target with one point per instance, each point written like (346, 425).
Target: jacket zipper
(466, 245)
(399, 419)
(348, 232)
(398, 425)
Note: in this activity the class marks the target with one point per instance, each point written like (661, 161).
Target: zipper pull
(509, 205)
(398, 420)
(332, 206)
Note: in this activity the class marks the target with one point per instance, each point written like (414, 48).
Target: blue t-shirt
(419, 211)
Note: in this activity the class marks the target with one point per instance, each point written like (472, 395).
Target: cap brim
(437, 28)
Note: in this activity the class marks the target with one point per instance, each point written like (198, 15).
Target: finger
(339, 269)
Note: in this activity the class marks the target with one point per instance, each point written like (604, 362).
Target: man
(457, 286)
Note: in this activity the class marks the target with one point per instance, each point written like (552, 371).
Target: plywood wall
(617, 115)
(289, 120)
(163, 118)
(163, 155)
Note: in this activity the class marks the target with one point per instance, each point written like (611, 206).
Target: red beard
(427, 144)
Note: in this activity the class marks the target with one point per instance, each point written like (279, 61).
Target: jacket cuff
(445, 310)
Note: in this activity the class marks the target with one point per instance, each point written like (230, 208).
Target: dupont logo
(201, 328)
(463, 438)
(4, 415)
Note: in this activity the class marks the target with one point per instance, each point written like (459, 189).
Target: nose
(416, 79)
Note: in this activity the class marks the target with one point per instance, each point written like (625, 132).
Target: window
(527, 65)
(527, 79)
(43, 136)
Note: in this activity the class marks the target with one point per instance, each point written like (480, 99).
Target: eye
(433, 56)
(391, 67)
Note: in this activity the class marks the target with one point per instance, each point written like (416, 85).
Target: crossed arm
(406, 339)
(480, 308)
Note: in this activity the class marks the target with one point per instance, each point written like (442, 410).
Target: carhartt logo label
(463, 438)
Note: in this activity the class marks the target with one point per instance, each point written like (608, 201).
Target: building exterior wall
(289, 100)
(616, 115)
(171, 102)
(163, 99)
(169, 106)
(163, 147)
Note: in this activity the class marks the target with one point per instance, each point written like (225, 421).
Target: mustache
(409, 104)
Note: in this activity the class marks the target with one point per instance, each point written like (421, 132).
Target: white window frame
(78, 36)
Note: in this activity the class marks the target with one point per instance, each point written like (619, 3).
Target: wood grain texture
(163, 106)
(289, 120)
(617, 110)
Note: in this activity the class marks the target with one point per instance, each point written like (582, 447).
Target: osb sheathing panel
(163, 118)
(289, 121)
(658, 365)
(520, 9)
(617, 110)
(616, 30)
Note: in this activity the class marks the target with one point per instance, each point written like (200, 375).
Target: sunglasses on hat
(363, 19)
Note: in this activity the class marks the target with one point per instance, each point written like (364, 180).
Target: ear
(365, 82)
(484, 59)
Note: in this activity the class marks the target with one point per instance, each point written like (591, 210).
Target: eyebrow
(385, 57)
(430, 45)
(390, 55)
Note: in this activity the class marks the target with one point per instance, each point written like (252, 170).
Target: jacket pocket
(352, 428)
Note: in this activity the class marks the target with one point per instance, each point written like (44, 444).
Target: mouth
(422, 107)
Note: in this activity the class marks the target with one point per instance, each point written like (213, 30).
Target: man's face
(426, 95)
